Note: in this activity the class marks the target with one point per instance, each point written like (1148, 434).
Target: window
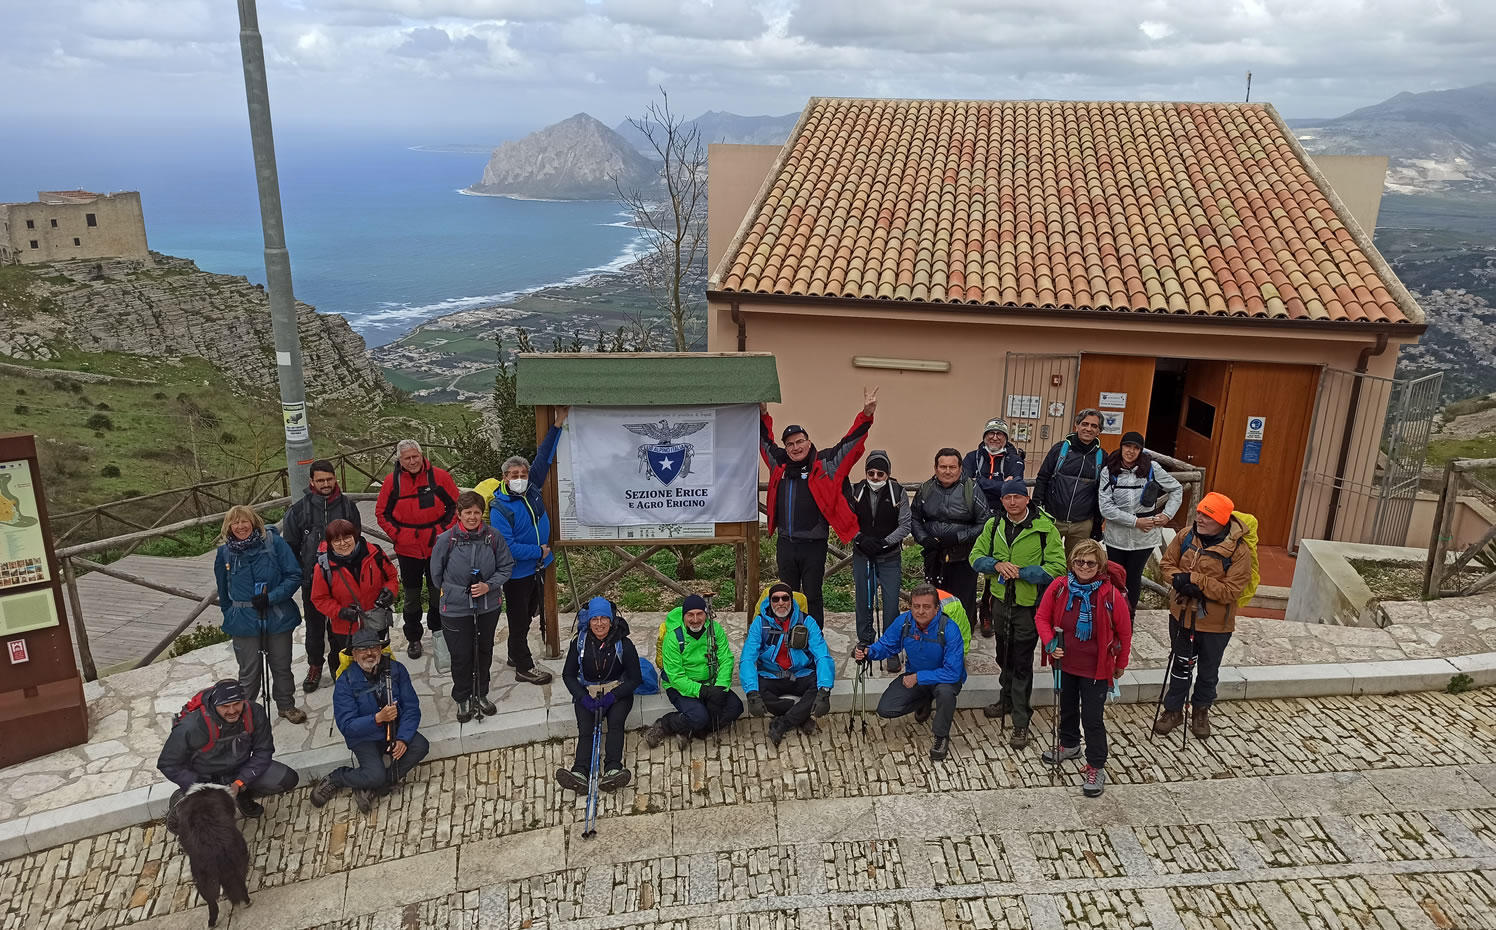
(34, 245)
(93, 218)
(1200, 417)
(77, 241)
(31, 224)
(54, 224)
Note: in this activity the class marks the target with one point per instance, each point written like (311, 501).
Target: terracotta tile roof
(1154, 207)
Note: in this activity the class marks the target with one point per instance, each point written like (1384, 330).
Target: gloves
(385, 598)
(1181, 581)
(591, 704)
(823, 703)
(755, 703)
(868, 545)
(1034, 574)
(1193, 591)
(348, 613)
(260, 601)
(713, 694)
(607, 701)
(985, 565)
(1051, 646)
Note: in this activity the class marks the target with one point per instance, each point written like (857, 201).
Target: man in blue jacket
(785, 667)
(935, 660)
(518, 513)
(377, 712)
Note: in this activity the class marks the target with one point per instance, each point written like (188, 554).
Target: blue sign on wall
(1251, 451)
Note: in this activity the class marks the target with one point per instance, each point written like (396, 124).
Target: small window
(31, 224)
(1199, 417)
(34, 244)
(93, 218)
(77, 241)
(54, 224)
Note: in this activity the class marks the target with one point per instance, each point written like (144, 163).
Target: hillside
(721, 126)
(575, 159)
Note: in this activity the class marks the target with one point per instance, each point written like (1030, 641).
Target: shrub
(100, 421)
(159, 395)
(76, 388)
(22, 409)
(1459, 684)
(196, 638)
(228, 438)
(102, 406)
(110, 471)
(20, 392)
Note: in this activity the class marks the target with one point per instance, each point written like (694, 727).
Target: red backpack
(195, 704)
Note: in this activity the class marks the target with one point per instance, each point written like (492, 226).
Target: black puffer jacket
(600, 661)
(949, 518)
(1067, 489)
(237, 753)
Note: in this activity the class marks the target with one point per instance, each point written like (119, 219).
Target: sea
(378, 229)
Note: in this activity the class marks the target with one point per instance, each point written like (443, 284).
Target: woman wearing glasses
(1086, 627)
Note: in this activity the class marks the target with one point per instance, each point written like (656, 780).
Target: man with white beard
(785, 668)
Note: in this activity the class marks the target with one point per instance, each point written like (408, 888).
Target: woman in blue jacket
(518, 513)
(786, 668)
(258, 578)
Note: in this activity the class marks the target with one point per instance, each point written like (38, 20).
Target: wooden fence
(1442, 576)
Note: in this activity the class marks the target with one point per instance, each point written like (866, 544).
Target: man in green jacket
(698, 662)
(1023, 551)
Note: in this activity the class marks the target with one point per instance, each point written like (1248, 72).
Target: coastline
(469, 192)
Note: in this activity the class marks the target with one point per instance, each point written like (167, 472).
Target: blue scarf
(1084, 592)
(244, 545)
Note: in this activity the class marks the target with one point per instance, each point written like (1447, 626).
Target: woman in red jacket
(349, 579)
(1085, 625)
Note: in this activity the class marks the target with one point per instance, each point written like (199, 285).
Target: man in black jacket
(948, 514)
(1067, 485)
(882, 510)
(225, 741)
(303, 528)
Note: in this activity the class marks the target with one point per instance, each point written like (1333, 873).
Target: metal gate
(1038, 394)
(1366, 451)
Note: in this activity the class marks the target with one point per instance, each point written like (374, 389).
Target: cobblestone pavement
(1371, 813)
(130, 713)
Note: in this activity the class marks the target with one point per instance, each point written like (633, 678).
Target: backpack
(493, 543)
(713, 664)
(486, 489)
(940, 633)
(800, 601)
(1249, 538)
(951, 606)
(196, 705)
(436, 489)
(1065, 450)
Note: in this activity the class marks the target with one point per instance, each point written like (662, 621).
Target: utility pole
(277, 259)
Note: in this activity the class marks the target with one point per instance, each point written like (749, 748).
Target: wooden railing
(1442, 576)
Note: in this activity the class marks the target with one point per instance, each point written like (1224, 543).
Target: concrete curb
(41, 831)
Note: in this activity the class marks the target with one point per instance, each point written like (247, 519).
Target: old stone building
(63, 225)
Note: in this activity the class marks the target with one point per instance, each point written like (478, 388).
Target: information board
(23, 548)
(570, 528)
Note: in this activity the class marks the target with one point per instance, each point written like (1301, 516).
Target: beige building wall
(108, 226)
(734, 175)
(1357, 180)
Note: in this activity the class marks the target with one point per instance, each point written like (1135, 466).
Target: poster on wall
(23, 548)
(1111, 422)
(1024, 406)
(663, 466)
(1117, 400)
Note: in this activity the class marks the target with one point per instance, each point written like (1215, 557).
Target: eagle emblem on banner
(666, 458)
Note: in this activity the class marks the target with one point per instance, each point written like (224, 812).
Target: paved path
(1371, 813)
(124, 620)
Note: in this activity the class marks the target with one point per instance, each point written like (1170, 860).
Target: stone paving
(1368, 813)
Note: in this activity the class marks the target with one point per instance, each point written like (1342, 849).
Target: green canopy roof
(653, 379)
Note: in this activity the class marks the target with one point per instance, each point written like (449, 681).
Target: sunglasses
(779, 598)
(876, 475)
(1085, 563)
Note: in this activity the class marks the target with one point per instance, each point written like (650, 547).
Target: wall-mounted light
(900, 364)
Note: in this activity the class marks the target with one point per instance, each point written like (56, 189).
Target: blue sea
(377, 230)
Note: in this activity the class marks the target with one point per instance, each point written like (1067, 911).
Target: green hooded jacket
(687, 660)
(1037, 544)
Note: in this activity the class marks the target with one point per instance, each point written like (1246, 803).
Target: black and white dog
(215, 848)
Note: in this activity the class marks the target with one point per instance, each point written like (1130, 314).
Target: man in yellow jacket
(1209, 567)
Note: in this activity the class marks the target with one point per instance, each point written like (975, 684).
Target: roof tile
(1201, 209)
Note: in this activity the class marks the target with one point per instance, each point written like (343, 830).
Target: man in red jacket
(417, 503)
(806, 498)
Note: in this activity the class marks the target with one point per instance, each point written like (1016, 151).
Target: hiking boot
(1095, 782)
(1000, 708)
(324, 791)
(893, 665)
(777, 726)
(987, 627)
(413, 648)
(249, 807)
(683, 741)
(922, 712)
(509, 662)
(809, 728)
(484, 706)
(940, 749)
(1019, 739)
(293, 714)
(573, 779)
(656, 734)
(1200, 722)
(313, 679)
(1065, 754)
(535, 676)
(1167, 721)
(365, 800)
(614, 779)
(464, 710)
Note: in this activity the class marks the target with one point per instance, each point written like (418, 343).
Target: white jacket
(1120, 498)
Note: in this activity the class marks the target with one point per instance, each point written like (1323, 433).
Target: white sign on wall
(1255, 426)
(1111, 422)
(1024, 406)
(1117, 400)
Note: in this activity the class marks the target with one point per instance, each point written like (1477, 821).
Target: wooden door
(1200, 415)
(1282, 396)
(1130, 376)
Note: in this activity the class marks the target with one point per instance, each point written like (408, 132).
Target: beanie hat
(1217, 507)
(1014, 486)
(997, 424)
(878, 459)
(1134, 437)
(693, 602)
(227, 692)
(780, 586)
(597, 607)
(365, 638)
(791, 430)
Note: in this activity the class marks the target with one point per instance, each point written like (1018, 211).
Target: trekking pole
(589, 821)
(260, 588)
(859, 698)
(389, 729)
(1054, 771)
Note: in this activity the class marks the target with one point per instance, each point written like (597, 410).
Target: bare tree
(671, 217)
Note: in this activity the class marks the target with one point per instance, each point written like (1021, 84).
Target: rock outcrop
(173, 308)
(575, 159)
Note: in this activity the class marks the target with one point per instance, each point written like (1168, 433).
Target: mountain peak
(578, 158)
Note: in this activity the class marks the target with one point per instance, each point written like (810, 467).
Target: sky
(481, 71)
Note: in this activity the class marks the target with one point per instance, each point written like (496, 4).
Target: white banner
(664, 465)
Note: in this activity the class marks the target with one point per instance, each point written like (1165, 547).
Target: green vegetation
(1463, 408)
(1391, 581)
(1442, 451)
(406, 380)
(1459, 684)
(16, 296)
(196, 638)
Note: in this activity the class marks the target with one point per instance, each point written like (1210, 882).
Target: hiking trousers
(470, 642)
(617, 717)
(1015, 658)
(899, 700)
(698, 718)
(523, 598)
(277, 778)
(1206, 649)
(370, 774)
(802, 566)
(415, 572)
(790, 698)
(1133, 561)
(282, 683)
(1074, 531)
(888, 572)
(316, 631)
(1082, 701)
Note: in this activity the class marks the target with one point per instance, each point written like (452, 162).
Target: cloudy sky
(486, 68)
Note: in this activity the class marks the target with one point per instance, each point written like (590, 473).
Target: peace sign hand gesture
(869, 400)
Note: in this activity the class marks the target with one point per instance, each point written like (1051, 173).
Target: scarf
(784, 640)
(242, 546)
(354, 561)
(1084, 592)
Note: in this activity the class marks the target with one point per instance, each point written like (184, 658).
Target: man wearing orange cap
(1209, 566)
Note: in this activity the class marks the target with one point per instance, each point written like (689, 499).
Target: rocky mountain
(170, 308)
(1438, 140)
(721, 126)
(575, 159)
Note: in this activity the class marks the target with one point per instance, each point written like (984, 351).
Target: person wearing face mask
(304, 528)
(350, 578)
(786, 668)
(947, 515)
(518, 513)
(883, 522)
(377, 712)
(416, 503)
(601, 672)
(470, 565)
(994, 461)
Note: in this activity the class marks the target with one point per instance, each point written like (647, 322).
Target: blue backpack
(1065, 450)
(650, 683)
